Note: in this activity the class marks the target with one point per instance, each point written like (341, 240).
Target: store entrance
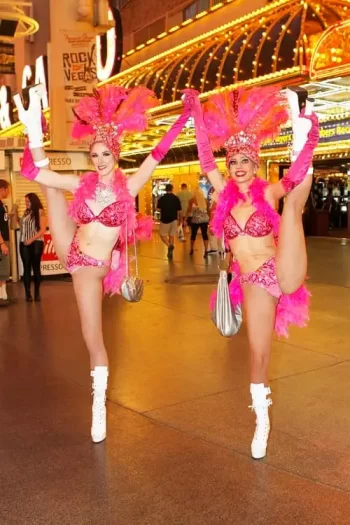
(330, 194)
(327, 211)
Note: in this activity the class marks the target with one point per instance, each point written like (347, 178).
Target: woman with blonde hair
(198, 207)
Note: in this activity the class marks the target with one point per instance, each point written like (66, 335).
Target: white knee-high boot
(260, 405)
(99, 387)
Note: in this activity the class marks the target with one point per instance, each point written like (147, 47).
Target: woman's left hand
(28, 242)
(191, 100)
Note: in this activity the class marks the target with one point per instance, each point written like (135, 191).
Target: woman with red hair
(92, 235)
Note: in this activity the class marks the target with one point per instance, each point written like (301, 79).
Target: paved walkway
(178, 448)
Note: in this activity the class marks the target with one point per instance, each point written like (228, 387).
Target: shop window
(196, 7)
(190, 11)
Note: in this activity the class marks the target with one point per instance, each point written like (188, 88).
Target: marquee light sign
(30, 76)
(109, 47)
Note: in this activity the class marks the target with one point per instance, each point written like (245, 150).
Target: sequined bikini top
(112, 215)
(258, 225)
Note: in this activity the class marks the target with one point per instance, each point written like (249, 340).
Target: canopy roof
(272, 43)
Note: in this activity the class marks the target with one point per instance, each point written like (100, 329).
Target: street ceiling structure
(272, 44)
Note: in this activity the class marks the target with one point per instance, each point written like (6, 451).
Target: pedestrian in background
(184, 196)
(198, 209)
(170, 217)
(4, 242)
(32, 228)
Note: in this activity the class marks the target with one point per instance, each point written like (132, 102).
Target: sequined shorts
(76, 259)
(265, 276)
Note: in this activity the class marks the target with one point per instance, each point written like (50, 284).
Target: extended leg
(291, 256)
(260, 309)
(260, 313)
(62, 226)
(87, 284)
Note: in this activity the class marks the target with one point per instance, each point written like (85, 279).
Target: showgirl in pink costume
(91, 236)
(270, 261)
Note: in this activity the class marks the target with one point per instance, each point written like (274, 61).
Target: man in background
(184, 196)
(4, 242)
(170, 217)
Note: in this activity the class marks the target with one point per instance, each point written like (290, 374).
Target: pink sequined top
(112, 215)
(258, 225)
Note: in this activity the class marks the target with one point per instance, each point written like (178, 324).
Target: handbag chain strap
(223, 265)
(127, 265)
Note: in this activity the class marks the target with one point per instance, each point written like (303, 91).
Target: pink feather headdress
(112, 111)
(241, 120)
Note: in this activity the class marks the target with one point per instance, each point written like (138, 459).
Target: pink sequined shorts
(76, 259)
(265, 276)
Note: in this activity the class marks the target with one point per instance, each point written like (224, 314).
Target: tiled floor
(179, 428)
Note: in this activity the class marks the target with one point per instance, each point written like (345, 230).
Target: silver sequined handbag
(227, 319)
(132, 286)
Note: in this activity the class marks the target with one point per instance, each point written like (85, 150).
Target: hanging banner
(72, 73)
(78, 65)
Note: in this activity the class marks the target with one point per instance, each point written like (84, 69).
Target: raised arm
(30, 168)
(205, 153)
(34, 162)
(139, 179)
(305, 139)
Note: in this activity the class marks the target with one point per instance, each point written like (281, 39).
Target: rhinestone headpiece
(246, 144)
(110, 136)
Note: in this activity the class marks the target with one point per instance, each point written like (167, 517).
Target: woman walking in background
(33, 225)
(198, 208)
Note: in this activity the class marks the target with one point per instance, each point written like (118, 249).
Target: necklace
(104, 195)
